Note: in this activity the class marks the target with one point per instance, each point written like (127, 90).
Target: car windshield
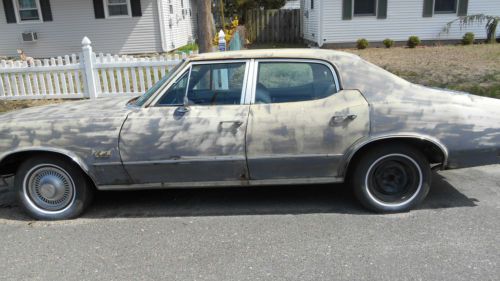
(145, 97)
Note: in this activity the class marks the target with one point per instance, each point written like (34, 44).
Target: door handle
(182, 109)
(235, 123)
(337, 119)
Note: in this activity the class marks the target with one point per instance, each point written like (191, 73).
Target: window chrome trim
(327, 64)
(189, 66)
(252, 76)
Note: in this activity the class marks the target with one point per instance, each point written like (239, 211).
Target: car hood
(103, 107)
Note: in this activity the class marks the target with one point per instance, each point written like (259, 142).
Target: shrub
(362, 44)
(388, 43)
(413, 41)
(468, 38)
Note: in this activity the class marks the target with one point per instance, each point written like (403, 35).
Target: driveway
(284, 233)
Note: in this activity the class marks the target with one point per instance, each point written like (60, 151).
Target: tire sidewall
(362, 171)
(81, 196)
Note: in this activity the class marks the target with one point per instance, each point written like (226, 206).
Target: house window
(312, 4)
(171, 8)
(28, 10)
(182, 3)
(445, 6)
(118, 8)
(365, 7)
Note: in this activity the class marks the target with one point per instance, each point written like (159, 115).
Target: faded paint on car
(465, 127)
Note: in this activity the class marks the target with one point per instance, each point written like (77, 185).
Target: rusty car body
(258, 139)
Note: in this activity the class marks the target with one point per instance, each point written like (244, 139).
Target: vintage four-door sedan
(251, 118)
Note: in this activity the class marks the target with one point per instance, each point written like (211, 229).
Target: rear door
(300, 122)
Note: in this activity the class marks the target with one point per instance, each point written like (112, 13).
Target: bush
(468, 38)
(362, 44)
(413, 41)
(388, 43)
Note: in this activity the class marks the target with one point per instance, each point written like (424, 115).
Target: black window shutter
(99, 9)
(382, 9)
(46, 11)
(136, 8)
(10, 14)
(463, 6)
(428, 8)
(347, 10)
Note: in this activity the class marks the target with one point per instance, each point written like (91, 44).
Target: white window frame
(18, 14)
(364, 15)
(446, 12)
(108, 16)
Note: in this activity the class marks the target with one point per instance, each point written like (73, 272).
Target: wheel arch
(10, 161)
(433, 149)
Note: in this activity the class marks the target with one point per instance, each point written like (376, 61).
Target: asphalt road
(285, 233)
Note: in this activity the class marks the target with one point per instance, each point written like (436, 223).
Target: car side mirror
(184, 108)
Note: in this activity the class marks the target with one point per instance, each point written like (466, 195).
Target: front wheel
(51, 188)
(395, 178)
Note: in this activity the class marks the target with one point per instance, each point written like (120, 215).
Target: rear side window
(293, 81)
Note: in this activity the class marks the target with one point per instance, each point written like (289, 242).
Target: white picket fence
(84, 76)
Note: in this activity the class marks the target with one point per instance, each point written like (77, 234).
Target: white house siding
(291, 5)
(74, 19)
(179, 30)
(311, 20)
(404, 18)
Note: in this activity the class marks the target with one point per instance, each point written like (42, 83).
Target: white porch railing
(85, 76)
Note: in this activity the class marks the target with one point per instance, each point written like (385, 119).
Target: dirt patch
(8, 105)
(474, 69)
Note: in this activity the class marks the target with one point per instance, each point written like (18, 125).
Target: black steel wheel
(392, 179)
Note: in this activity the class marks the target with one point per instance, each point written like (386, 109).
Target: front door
(194, 132)
(301, 123)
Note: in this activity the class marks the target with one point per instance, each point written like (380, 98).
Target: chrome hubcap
(49, 187)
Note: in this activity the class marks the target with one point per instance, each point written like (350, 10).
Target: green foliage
(362, 44)
(468, 38)
(239, 7)
(413, 41)
(388, 43)
(188, 48)
(491, 24)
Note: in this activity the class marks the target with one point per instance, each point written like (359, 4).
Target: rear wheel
(51, 188)
(395, 178)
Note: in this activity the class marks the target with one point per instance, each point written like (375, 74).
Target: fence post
(88, 68)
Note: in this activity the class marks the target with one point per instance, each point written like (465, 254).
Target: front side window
(209, 84)
(365, 7)
(149, 93)
(176, 93)
(216, 84)
(28, 10)
(293, 81)
(117, 8)
(445, 6)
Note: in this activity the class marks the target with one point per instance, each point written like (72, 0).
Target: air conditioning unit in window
(30, 36)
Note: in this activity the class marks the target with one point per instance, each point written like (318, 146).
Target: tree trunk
(205, 35)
